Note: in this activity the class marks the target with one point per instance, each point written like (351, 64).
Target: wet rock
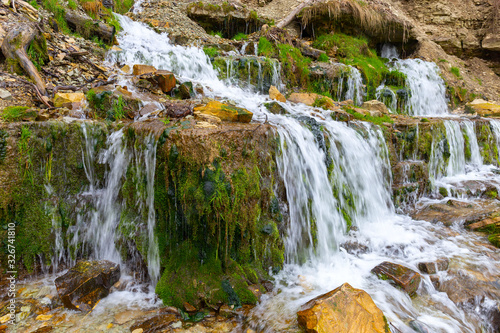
(227, 311)
(268, 285)
(343, 310)
(177, 109)
(143, 69)
(189, 308)
(434, 266)
(276, 95)
(489, 222)
(166, 80)
(157, 323)
(86, 283)
(467, 287)
(375, 106)
(186, 90)
(225, 112)
(355, 248)
(149, 108)
(402, 276)
(418, 326)
(275, 108)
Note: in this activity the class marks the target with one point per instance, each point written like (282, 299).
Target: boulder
(86, 283)
(432, 267)
(312, 99)
(143, 69)
(493, 222)
(276, 95)
(483, 108)
(69, 100)
(166, 80)
(491, 42)
(402, 276)
(225, 112)
(343, 310)
(375, 105)
(186, 90)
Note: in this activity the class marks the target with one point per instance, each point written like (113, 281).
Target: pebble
(5, 94)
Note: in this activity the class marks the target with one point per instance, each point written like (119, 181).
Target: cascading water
(350, 85)
(475, 154)
(336, 175)
(427, 88)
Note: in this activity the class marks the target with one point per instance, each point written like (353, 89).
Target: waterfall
(335, 175)
(388, 97)
(427, 88)
(495, 127)
(475, 154)
(97, 226)
(350, 85)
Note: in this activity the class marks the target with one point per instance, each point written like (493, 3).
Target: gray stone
(5, 94)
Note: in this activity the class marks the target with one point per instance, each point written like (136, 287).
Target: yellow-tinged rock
(483, 108)
(125, 69)
(68, 99)
(143, 69)
(109, 326)
(343, 310)
(276, 95)
(312, 99)
(375, 105)
(138, 330)
(5, 318)
(225, 112)
(44, 317)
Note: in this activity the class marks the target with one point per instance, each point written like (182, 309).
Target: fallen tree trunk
(285, 21)
(14, 47)
(88, 27)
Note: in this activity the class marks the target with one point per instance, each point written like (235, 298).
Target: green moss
(323, 57)
(37, 52)
(375, 120)
(294, 65)
(455, 71)
(443, 191)
(240, 36)
(47, 154)
(355, 52)
(265, 48)
(17, 113)
(211, 51)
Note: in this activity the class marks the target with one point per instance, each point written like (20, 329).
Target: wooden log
(88, 27)
(15, 45)
(287, 19)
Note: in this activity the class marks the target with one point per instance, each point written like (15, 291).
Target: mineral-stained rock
(226, 112)
(434, 266)
(166, 80)
(343, 310)
(483, 108)
(157, 323)
(86, 283)
(276, 95)
(69, 100)
(402, 276)
(312, 99)
(375, 106)
(143, 69)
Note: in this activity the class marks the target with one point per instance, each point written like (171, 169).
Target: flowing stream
(337, 177)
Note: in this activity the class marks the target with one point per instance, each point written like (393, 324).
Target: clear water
(327, 185)
(350, 85)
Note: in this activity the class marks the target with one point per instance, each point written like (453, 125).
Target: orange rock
(276, 95)
(343, 310)
(166, 80)
(69, 100)
(143, 69)
(312, 99)
(225, 112)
